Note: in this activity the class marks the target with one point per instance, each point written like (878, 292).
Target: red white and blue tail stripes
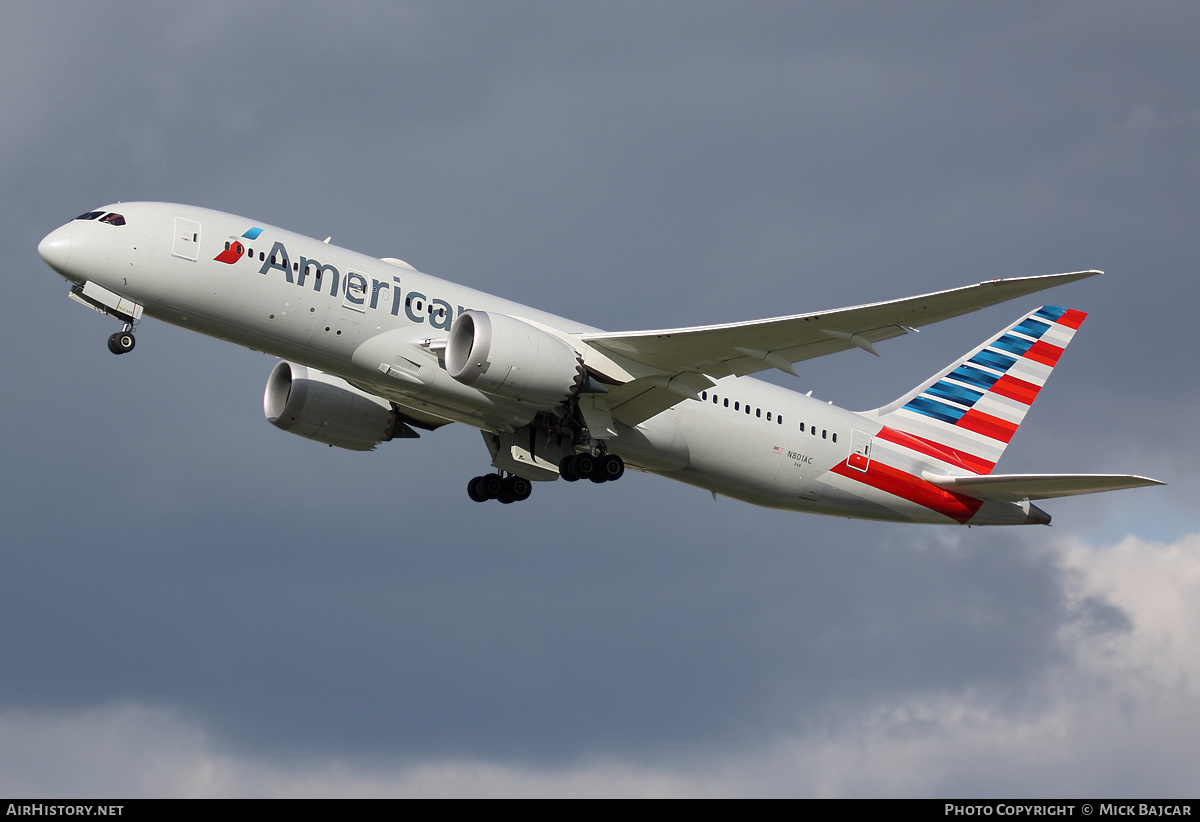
(965, 416)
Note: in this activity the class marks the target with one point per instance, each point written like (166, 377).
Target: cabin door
(860, 450)
(186, 242)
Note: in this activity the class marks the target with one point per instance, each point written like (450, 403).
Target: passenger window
(758, 413)
(768, 416)
(737, 406)
(801, 428)
(779, 419)
(727, 402)
(714, 399)
(835, 437)
(703, 395)
(823, 433)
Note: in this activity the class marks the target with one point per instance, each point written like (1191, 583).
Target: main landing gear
(510, 488)
(604, 468)
(507, 489)
(122, 342)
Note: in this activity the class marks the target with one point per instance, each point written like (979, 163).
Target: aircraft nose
(55, 248)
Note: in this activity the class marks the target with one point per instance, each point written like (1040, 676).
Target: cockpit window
(91, 215)
(113, 218)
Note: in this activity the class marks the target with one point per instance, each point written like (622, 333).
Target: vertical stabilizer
(966, 414)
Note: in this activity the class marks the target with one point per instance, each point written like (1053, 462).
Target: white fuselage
(742, 438)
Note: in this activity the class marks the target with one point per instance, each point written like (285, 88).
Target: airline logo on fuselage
(235, 249)
(359, 291)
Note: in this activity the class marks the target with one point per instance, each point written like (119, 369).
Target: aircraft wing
(746, 347)
(684, 358)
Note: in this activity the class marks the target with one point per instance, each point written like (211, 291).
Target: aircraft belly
(655, 445)
(730, 454)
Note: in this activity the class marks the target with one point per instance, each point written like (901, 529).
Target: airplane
(373, 350)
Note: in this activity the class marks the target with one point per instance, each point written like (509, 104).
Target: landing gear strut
(507, 489)
(122, 342)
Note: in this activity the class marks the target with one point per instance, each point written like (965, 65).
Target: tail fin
(966, 414)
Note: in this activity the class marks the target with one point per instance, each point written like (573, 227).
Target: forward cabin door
(186, 242)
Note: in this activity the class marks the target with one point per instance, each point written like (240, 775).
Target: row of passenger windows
(262, 255)
(737, 406)
(758, 412)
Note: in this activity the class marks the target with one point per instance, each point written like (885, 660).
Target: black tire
(474, 491)
(121, 343)
(492, 485)
(519, 488)
(584, 466)
(566, 468)
(612, 467)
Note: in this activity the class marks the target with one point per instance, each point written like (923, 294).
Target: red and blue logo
(235, 249)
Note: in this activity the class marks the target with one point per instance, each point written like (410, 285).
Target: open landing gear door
(528, 452)
(106, 302)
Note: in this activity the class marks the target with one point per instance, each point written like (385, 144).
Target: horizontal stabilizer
(1017, 487)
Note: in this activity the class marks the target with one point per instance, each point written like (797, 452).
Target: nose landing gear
(99, 298)
(123, 341)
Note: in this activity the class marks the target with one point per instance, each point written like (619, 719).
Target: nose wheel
(122, 342)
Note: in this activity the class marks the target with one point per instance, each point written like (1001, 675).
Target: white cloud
(1119, 717)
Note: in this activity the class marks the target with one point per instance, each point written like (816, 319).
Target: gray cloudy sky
(195, 604)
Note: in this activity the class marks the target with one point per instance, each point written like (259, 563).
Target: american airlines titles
(354, 288)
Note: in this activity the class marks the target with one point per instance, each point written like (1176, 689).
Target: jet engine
(325, 408)
(502, 355)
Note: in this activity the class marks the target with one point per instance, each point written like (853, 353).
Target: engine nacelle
(502, 355)
(325, 408)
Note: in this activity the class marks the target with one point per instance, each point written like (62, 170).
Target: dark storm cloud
(633, 166)
(430, 636)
